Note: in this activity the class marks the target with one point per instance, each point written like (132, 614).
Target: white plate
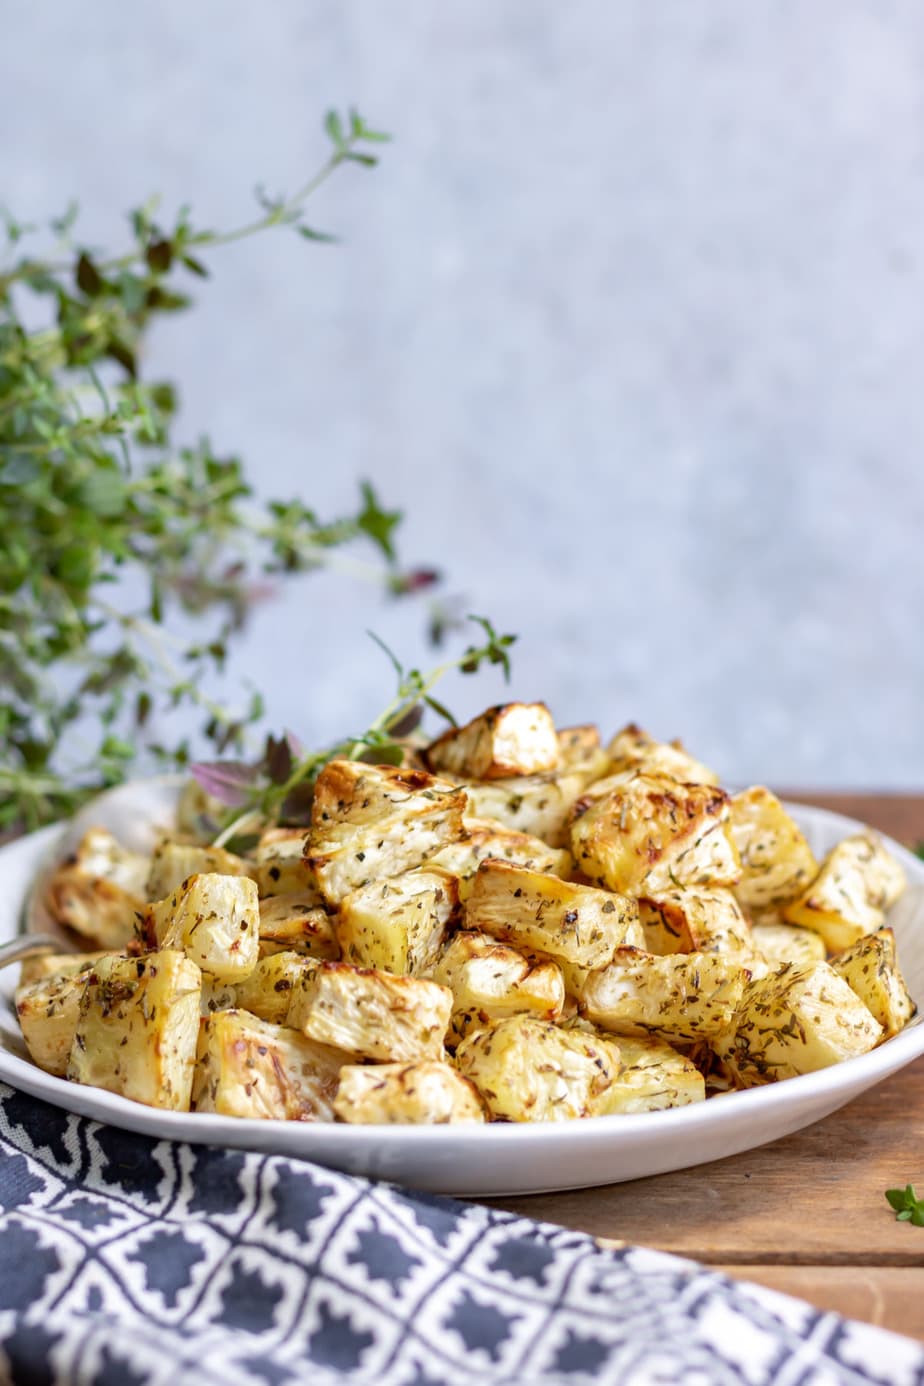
(494, 1159)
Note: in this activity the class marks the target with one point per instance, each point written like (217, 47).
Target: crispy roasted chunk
(429, 1093)
(296, 924)
(528, 1069)
(536, 911)
(697, 921)
(778, 943)
(99, 890)
(534, 804)
(652, 834)
(856, 884)
(486, 838)
(47, 1010)
(247, 1067)
(281, 867)
(216, 919)
(795, 1021)
(55, 964)
(870, 968)
(776, 861)
(511, 739)
(138, 1027)
(371, 1014)
(579, 745)
(653, 1077)
(489, 981)
(680, 998)
(399, 924)
(634, 749)
(370, 821)
(174, 862)
(267, 992)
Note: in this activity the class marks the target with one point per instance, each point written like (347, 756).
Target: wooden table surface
(805, 1215)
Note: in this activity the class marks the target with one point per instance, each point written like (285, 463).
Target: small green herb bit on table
(906, 1204)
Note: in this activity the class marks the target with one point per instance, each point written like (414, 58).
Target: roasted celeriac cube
(652, 833)
(777, 943)
(653, 1077)
(216, 919)
(485, 838)
(55, 964)
(297, 924)
(680, 998)
(776, 861)
(370, 821)
(511, 739)
(267, 992)
(281, 868)
(528, 1069)
(47, 1010)
(857, 883)
(371, 1014)
(795, 1021)
(247, 1067)
(398, 924)
(138, 1028)
(429, 1093)
(697, 921)
(98, 891)
(174, 862)
(198, 813)
(534, 804)
(580, 745)
(489, 981)
(634, 749)
(870, 968)
(545, 914)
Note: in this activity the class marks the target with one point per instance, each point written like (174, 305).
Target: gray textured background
(630, 319)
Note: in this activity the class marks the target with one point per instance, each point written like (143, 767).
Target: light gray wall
(630, 320)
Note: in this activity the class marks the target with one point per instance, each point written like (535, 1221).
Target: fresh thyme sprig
(279, 788)
(113, 540)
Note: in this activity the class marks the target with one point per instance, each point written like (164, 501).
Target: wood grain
(805, 1215)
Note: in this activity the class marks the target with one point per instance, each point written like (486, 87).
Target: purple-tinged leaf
(228, 781)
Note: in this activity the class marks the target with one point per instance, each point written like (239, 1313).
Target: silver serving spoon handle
(29, 946)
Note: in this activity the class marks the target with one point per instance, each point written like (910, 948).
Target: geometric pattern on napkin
(131, 1262)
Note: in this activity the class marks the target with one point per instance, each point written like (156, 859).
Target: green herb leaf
(377, 523)
(906, 1205)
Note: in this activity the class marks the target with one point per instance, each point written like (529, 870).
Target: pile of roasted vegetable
(517, 925)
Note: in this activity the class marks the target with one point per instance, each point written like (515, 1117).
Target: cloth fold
(126, 1261)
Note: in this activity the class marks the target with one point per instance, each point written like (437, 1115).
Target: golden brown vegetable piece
(680, 998)
(857, 883)
(486, 838)
(578, 745)
(429, 1093)
(652, 834)
(534, 804)
(47, 1010)
(138, 1027)
(634, 749)
(776, 861)
(98, 891)
(267, 992)
(654, 1077)
(399, 924)
(542, 913)
(216, 919)
(697, 921)
(281, 868)
(297, 924)
(370, 821)
(371, 1014)
(51, 964)
(531, 1070)
(870, 968)
(778, 943)
(795, 1021)
(489, 981)
(173, 862)
(511, 739)
(247, 1067)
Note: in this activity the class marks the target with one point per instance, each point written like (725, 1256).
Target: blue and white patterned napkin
(131, 1262)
